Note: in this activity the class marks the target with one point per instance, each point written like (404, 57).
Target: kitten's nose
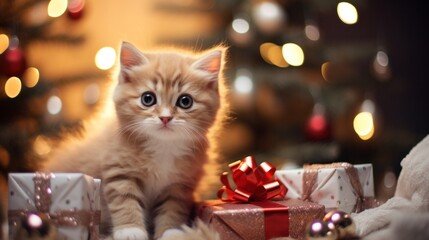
(165, 120)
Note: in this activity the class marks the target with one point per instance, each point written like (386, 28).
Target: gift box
(337, 186)
(71, 201)
(260, 220)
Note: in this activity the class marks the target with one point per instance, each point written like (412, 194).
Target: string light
(293, 54)
(105, 58)
(56, 8)
(13, 87)
(347, 13)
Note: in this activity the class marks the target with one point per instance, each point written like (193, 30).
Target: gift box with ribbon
(337, 186)
(251, 205)
(71, 201)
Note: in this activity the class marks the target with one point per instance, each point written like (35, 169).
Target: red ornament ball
(13, 62)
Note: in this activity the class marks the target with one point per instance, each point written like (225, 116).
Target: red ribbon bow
(252, 183)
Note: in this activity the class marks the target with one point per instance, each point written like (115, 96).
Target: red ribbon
(252, 183)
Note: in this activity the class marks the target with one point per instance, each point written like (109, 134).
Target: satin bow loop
(251, 182)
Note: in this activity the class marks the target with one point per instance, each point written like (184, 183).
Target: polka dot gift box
(69, 201)
(337, 186)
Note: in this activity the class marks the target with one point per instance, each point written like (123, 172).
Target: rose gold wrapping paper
(246, 221)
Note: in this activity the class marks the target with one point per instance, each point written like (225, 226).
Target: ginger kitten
(151, 154)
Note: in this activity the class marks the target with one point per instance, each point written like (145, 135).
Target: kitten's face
(167, 95)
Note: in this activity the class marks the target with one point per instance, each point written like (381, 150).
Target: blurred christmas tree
(27, 97)
(320, 81)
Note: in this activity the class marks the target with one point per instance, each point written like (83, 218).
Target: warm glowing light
(54, 105)
(324, 69)
(268, 16)
(57, 8)
(293, 54)
(240, 25)
(105, 58)
(272, 54)
(31, 77)
(312, 32)
(347, 13)
(4, 42)
(243, 82)
(363, 125)
(41, 146)
(13, 87)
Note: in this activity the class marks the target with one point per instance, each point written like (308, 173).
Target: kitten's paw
(130, 233)
(172, 233)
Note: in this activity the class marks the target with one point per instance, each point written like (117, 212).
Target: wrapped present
(337, 186)
(245, 209)
(260, 220)
(71, 201)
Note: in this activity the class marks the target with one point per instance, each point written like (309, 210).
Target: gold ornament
(342, 222)
(319, 230)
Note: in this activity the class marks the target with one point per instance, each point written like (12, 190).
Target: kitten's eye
(184, 101)
(148, 99)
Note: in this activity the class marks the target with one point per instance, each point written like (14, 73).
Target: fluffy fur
(151, 154)
(408, 211)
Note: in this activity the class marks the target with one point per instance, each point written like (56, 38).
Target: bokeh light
(312, 32)
(363, 125)
(243, 82)
(293, 54)
(324, 69)
(268, 16)
(240, 25)
(105, 58)
(347, 13)
(31, 77)
(54, 105)
(56, 8)
(41, 145)
(381, 66)
(389, 179)
(13, 87)
(4, 42)
(272, 54)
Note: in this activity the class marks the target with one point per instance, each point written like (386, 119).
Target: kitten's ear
(130, 57)
(210, 63)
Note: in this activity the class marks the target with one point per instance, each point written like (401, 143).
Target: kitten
(151, 154)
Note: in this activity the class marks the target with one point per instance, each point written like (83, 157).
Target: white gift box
(71, 200)
(333, 186)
